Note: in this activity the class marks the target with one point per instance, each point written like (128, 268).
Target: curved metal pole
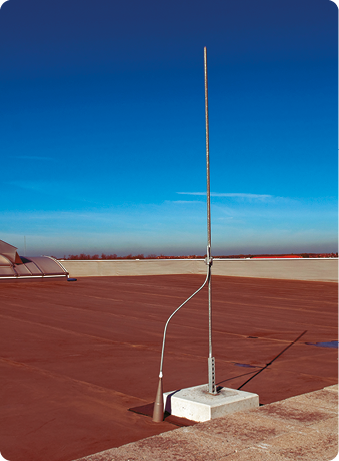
(158, 411)
(169, 318)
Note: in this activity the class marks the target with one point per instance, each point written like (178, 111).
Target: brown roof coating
(76, 356)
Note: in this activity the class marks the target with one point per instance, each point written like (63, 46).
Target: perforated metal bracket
(211, 376)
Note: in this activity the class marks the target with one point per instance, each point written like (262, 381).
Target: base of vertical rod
(158, 411)
(211, 376)
(197, 404)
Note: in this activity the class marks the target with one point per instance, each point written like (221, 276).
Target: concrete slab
(196, 404)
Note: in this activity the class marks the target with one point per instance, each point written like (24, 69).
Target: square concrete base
(196, 404)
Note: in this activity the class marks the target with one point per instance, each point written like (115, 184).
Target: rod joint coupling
(209, 258)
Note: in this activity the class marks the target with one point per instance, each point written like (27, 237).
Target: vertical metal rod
(211, 367)
(207, 155)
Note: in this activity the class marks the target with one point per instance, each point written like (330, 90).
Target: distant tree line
(104, 256)
(84, 256)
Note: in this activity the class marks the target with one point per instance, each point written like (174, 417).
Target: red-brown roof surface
(75, 356)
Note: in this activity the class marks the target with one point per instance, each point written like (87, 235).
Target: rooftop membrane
(76, 356)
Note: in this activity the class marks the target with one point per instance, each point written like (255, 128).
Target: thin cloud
(230, 194)
(194, 202)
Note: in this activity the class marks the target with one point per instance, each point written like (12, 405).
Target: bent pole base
(158, 411)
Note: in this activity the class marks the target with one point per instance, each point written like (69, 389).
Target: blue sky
(102, 133)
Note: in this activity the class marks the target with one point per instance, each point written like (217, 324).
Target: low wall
(325, 269)
(110, 267)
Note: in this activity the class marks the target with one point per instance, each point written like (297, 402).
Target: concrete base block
(196, 404)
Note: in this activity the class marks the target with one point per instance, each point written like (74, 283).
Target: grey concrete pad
(196, 404)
